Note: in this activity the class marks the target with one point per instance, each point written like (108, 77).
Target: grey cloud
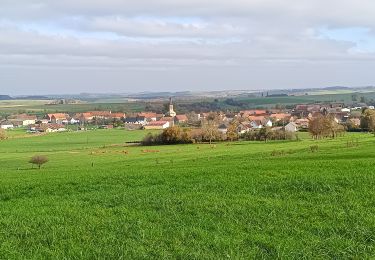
(213, 43)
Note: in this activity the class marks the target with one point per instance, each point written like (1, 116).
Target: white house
(347, 110)
(256, 124)
(43, 121)
(23, 120)
(6, 125)
(267, 123)
(141, 120)
(73, 121)
(157, 125)
(52, 128)
(58, 118)
(243, 128)
(291, 127)
(223, 129)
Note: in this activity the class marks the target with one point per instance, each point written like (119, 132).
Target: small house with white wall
(157, 125)
(291, 127)
(6, 125)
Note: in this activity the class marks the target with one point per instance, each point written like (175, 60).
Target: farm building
(58, 118)
(157, 125)
(291, 127)
(23, 120)
(180, 119)
(223, 128)
(138, 120)
(6, 125)
(149, 116)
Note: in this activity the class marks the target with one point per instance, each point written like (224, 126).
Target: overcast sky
(73, 46)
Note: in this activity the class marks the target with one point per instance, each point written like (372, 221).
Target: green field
(41, 108)
(99, 199)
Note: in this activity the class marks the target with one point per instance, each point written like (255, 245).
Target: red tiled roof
(254, 112)
(157, 123)
(55, 126)
(148, 114)
(255, 118)
(84, 115)
(25, 117)
(280, 116)
(57, 116)
(117, 115)
(100, 113)
(181, 117)
(166, 118)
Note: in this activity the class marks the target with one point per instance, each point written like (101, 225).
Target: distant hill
(33, 97)
(5, 97)
(336, 88)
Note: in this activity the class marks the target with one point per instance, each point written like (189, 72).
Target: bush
(170, 135)
(38, 160)
(314, 148)
(3, 134)
(265, 134)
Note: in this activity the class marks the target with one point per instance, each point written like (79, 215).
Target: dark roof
(6, 123)
(131, 120)
(223, 126)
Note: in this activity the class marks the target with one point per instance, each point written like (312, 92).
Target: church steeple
(171, 111)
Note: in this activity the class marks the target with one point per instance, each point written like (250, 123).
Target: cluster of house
(257, 119)
(57, 122)
(292, 121)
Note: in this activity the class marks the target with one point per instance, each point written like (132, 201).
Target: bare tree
(316, 126)
(232, 133)
(324, 126)
(368, 120)
(210, 132)
(38, 160)
(210, 127)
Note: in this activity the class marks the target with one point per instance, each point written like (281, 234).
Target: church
(171, 112)
(170, 118)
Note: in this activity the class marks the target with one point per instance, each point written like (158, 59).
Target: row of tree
(368, 120)
(178, 135)
(170, 135)
(325, 126)
(209, 133)
(267, 133)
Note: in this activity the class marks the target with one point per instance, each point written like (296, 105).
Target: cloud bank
(121, 46)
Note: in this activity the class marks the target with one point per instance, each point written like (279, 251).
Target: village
(293, 120)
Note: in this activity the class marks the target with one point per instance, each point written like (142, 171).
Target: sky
(121, 46)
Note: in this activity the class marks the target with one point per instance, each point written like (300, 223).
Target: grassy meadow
(99, 198)
(41, 107)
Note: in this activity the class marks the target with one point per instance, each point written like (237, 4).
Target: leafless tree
(38, 160)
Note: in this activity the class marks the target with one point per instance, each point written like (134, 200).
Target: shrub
(170, 135)
(3, 134)
(268, 134)
(314, 148)
(38, 160)
(277, 153)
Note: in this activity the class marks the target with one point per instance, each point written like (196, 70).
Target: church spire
(171, 110)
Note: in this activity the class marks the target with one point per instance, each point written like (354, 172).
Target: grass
(42, 107)
(97, 198)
